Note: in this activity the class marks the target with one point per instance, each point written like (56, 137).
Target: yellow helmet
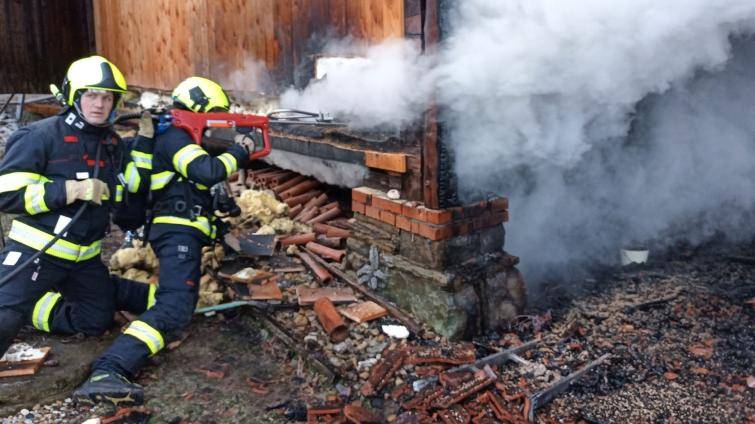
(199, 94)
(93, 72)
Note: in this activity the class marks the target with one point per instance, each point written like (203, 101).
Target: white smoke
(541, 96)
(388, 88)
(246, 81)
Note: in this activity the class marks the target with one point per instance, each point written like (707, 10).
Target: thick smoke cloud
(605, 122)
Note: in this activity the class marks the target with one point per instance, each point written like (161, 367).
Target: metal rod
(546, 395)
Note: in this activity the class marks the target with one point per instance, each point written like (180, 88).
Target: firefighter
(182, 175)
(50, 169)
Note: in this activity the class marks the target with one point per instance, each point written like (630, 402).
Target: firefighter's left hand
(91, 190)
(146, 127)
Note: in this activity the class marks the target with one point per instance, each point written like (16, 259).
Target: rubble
(647, 333)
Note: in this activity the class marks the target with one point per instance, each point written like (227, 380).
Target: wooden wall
(39, 39)
(250, 45)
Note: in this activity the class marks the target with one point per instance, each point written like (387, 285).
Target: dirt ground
(680, 331)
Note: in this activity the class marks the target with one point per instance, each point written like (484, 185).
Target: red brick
(499, 203)
(403, 223)
(475, 209)
(481, 221)
(372, 212)
(388, 217)
(415, 226)
(360, 194)
(438, 216)
(497, 218)
(386, 204)
(461, 228)
(457, 213)
(435, 232)
(357, 207)
(488, 220)
(414, 212)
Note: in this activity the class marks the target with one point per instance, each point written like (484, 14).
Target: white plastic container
(633, 256)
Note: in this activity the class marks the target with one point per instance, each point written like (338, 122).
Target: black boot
(108, 387)
(10, 324)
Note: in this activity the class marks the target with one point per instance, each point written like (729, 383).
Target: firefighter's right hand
(146, 127)
(90, 190)
(245, 141)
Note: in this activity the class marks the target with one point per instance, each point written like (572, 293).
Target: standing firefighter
(61, 175)
(182, 174)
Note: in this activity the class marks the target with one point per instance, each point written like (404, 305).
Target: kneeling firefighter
(60, 174)
(183, 222)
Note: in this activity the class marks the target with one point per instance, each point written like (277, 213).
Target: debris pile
(8, 126)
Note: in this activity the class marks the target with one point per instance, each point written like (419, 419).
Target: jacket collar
(72, 118)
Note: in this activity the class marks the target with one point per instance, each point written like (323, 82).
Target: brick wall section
(433, 224)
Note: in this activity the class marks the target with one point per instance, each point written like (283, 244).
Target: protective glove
(246, 141)
(146, 128)
(90, 190)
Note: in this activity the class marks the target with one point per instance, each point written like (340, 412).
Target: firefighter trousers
(165, 312)
(56, 295)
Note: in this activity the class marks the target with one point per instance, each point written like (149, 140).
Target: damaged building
(440, 259)
(368, 276)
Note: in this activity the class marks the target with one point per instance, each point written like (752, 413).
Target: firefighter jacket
(182, 175)
(38, 160)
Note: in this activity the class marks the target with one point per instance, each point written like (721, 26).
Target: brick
(457, 213)
(488, 220)
(415, 226)
(497, 218)
(435, 232)
(461, 228)
(372, 212)
(361, 194)
(363, 312)
(403, 223)
(414, 212)
(438, 216)
(499, 203)
(480, 222)
(475, 209)
(386, 204)
(388, 217)
(357, 207)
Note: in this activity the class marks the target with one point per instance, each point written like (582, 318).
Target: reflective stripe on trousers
(40, 318)
(146, 334)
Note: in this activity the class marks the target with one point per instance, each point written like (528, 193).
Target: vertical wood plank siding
(249, 45)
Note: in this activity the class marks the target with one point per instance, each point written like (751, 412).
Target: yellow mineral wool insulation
(265, 230)
(139, 275)
(208, 284)
(259, 205)
(209, 299)
(134, 257)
